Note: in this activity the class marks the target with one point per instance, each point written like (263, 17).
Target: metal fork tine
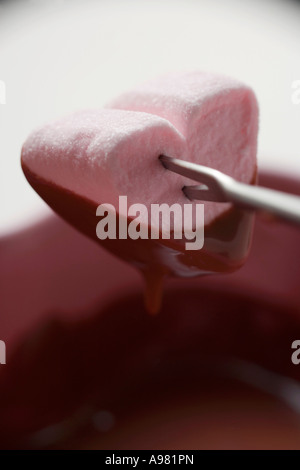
(223, 188)
(211, 178)
(201, 193)
(187, 169)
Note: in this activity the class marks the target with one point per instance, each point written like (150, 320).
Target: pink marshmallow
(101, 154)
(105, 153)
(217, 115)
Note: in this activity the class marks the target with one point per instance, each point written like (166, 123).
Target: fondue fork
(217, 187)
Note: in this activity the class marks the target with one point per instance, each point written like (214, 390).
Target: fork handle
(282, 205)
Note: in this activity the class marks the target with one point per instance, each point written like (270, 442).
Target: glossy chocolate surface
(212, 370)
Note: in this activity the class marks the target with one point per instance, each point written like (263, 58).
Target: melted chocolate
(206, 364)
(213, 370)
(226, 241)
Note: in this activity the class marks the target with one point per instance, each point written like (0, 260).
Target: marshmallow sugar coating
(101, 154)
(217, 115)
(93, 157)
